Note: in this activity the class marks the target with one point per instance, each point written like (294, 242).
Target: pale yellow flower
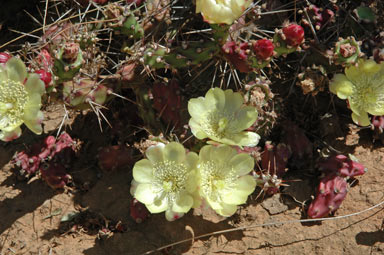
(363, 87)
(224, 180)
(20, 100)
(166, 180)
(221, 11)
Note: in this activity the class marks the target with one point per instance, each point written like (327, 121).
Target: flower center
(215, 177)
(171, 177)
(217, 124)
(13, 98)
(367, 95)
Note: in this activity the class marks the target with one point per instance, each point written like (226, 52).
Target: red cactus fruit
(138, 211)
(114, 157)
(55, 175)
(45, 76)
(294, 34)
(167, 101)
(275, 158)
(330, 194)
(237, 54)
(44, 60)
(341, 165)
(263, 49)
(295, 138)
(4, 57)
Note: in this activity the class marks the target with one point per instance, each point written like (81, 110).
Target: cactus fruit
(80, 94)
(114, 157)
(246, 58)
(125, 22)
(341, 165)
(167, 102)
(347, 51)
(330, 194)
(45, 76)
(237, 54)
(4, 57)
(263, 49)
(288, 39)
(258, 94)
(319, 17)
(138, 211)
(312, 80)
(68, 61)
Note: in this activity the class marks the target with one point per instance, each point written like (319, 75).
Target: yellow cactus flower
(221, 11)
(363, 87)
(166, 180)
(224, 178)
(221, 116)
(20, 100)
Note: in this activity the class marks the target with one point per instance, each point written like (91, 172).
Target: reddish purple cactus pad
(50, 156)
(55, 175)
(294, 35)
(341, 165)
(275, 158)
(297, 141)
(114, 157)
(330, 194)
(263, 49)
(167, 101)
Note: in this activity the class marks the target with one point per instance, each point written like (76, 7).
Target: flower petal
(205, 153)
(244, 186)
(222, 152)
(215, 99)
(172, 216)
(145, 194)
(35, 85)
(362, 119)
(9, 136)
(158, 207)
(191, 160)
(249, 139)
(227, 210)
(244, 118)
(35, 124)
(233, 101)
(155, 153)
(341, 86)
(174, 152)
(242, 163)
(196, 107)
(143, 171)
(3, 73)
(197, 130)
(16, 70)
(183, 204)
